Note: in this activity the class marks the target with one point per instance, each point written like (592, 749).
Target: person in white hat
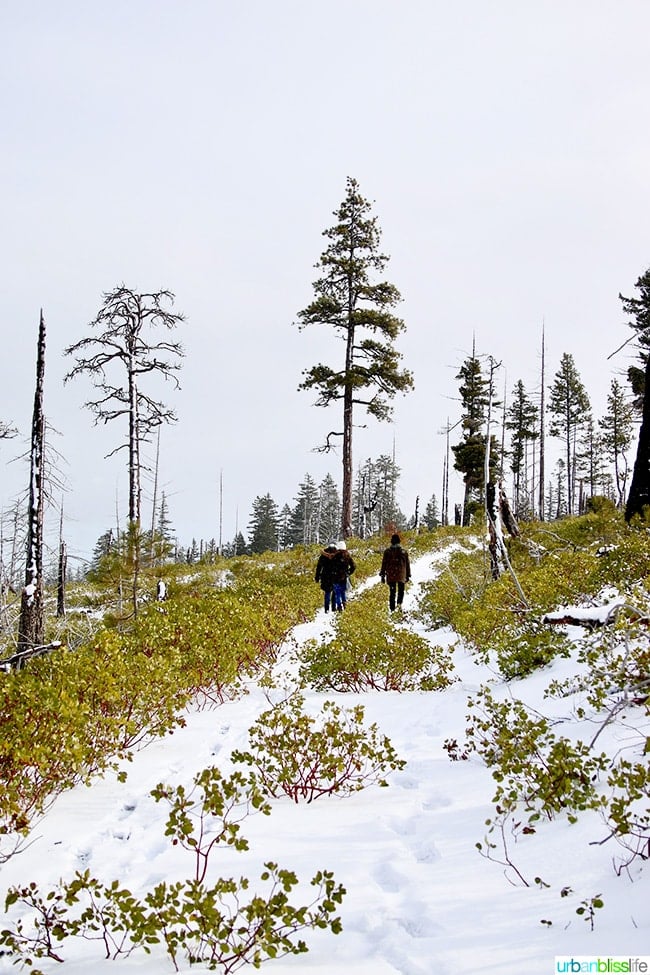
(342, 568)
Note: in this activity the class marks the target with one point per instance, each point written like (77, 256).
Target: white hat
(341, 545)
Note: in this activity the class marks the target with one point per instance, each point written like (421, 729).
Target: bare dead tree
(542, 469)
(62, 571)
(128, 348)
(123, 346)
(31, 623)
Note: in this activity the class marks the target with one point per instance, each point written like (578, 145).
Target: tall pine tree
(522, 421)
(330, 510)
(638, 309)
(263, 525)
(568, 405)
(360, 312)
(616, 427)
(470, 453)
(304, 517)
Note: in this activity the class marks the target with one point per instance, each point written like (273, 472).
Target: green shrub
(369, 651)
(533, 768)
(213, 924)
(306, 757)
(71, 715)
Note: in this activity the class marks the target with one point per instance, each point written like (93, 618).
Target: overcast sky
(202, 146)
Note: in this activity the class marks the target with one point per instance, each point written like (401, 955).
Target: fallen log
(595, 616)
(18, 659)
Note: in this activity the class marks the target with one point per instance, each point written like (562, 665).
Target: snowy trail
(420, 899)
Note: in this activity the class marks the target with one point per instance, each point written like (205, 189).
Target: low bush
(534, 769)
(305, 757)
(369, 651)
(216, 924)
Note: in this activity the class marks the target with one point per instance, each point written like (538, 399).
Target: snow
(420, 898)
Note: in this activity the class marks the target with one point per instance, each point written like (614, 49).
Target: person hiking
(396, 571)
(324, 573)
(343, 567)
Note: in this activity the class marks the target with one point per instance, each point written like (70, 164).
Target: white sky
(202, 147)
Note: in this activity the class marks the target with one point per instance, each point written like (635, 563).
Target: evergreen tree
(568, 405)
(330, 510)
(239, 544)
(469, 454)
(163, 523)
(210, 551)
(558, 495)
(360, 312)
(163, 540)
(387, 475)
(263, 525)
(374, 496)
(639, 311)
(616, 426)
(104, 545)
(431, 515)
(284, 538)
(304, 516)
(236, 547)
(590, 467)
(522, 421)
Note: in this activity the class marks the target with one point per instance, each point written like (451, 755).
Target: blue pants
(339, 595)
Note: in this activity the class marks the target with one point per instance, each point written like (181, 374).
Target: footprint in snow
(405, 827)
(222, 732)
(426, 852)
(128, 808)
(405, 965)
(418, 924)
(407, 782)
(436, 802)
(389, 879)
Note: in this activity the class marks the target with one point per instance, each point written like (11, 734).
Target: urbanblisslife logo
(606, 964)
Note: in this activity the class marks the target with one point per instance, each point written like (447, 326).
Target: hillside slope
(420, 897)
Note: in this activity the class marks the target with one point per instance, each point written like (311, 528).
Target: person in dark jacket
(343, 567)
(396, 571)
(325, 573)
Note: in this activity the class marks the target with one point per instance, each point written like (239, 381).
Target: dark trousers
(328, 597)
(396, 589)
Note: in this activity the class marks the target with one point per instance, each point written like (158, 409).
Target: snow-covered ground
(420, 898)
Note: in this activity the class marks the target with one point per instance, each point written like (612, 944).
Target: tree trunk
(154, 502)
(639, 495)
(60, 586)
(542, 473)
(506, 514)
(31, 626)
(63, 568)
(346, 492)
(493, 544)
